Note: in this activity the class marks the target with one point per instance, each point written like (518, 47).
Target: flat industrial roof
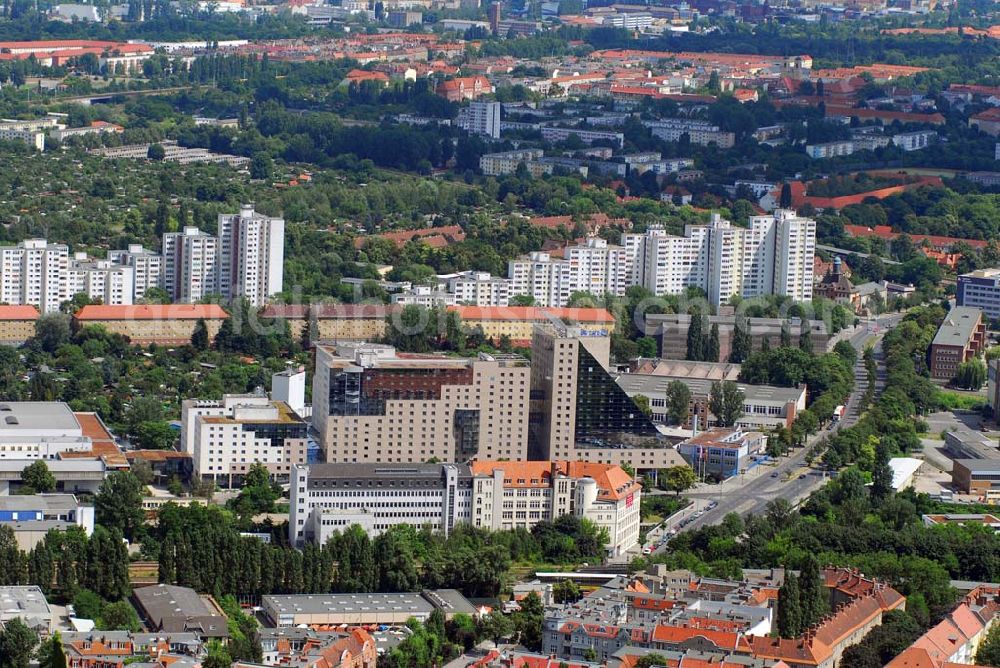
(164, 601)
(347, 603)
(650, 385)
(980, 465)
(20, 502)
(48, 416)
(450, 601)
(57, 467)
(958, 326)
(26, 600)
(362, 470)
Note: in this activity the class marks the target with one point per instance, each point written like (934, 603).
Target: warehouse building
(362, 609)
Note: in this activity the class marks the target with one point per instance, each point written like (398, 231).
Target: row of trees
(909, 392)
(200, 547)
(65, 562)
(829, 379)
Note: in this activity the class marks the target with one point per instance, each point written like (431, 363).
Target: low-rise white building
(832, 149)
(554, 134)
(479, 288)
(32, 516)
(325, 498)
(512, 495)
(427, 296)
(31, 132)
(225, 437)
(496, 495)
(31, 430)
(915, 141)
(28, 604)
(698, 132)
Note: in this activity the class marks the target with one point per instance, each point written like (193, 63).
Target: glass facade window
(603, 409)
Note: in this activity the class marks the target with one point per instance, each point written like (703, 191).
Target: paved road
(791, 478)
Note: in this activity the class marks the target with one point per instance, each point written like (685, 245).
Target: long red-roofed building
(954, 640)
(17, 324)
(936, 242)
(435, 237)
(801, 197)
(115, 56)
(517, 323)
(160, 324)
(858, 604)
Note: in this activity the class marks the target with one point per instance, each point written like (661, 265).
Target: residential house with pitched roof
(955, 640)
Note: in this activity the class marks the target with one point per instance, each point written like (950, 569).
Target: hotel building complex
(371, 404)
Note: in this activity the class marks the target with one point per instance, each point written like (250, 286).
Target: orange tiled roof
(18, 312)
(365, 75)
(152, 312)
(992, 114)
(454, 233)
(103, 444)
(676, 635)
(612, 482)
(532, 313)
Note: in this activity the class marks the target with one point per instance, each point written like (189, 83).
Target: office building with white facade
(980, 289)
(480, 118)
(31, 430)
(32, 516)
(147, 268)
(331, 497)
(496, 495)
(224, 438)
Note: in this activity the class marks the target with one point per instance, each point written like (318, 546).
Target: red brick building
(960, 338)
